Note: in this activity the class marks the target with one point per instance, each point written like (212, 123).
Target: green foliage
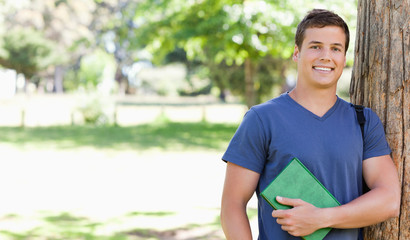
(71, 80)
(197, 83)
(215, 30)
(223, 34)
(93, 113)
(27, 51)
(96, 109)
(94, 69)
(213, 33)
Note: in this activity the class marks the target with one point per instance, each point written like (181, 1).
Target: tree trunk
(380, 80)
(58, 79)
(250, 97)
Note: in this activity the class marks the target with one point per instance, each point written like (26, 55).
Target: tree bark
(380, 80)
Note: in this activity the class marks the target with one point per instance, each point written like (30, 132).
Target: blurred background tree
(242, 46)
(228, 47)
(64, 25)
(27, 52)
(246, 46)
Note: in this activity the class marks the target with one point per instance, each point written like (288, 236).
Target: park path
(104, 185)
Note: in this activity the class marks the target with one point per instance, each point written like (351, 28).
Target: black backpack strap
(361, 120)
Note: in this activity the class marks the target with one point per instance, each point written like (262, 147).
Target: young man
(320, 129)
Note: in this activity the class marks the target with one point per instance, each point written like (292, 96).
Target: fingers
(289, 226)
(282, 213)
(295, 220)
(289, 201)
(285, 201)
(284, 222)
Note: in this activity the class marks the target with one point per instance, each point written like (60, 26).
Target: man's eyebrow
(337, 44)
(315, 42)
(318, 42)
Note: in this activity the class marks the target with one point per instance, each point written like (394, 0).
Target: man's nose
(325, 54)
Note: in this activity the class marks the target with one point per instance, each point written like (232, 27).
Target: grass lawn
(160, 135)
(155, 181)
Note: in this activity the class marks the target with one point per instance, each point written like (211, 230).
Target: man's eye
(337, 49)
(314, 47)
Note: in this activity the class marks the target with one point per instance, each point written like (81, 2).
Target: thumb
(289, 201)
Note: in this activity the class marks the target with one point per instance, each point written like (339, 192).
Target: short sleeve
(375, 143)
(247, 147)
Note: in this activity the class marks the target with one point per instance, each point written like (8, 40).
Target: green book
(296, 181)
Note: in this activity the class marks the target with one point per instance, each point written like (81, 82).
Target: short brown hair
(319, 18)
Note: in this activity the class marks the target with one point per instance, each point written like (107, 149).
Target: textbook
(296, 181)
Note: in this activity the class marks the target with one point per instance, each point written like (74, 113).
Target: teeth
(323, 68)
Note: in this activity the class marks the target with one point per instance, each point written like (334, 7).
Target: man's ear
(295, 54)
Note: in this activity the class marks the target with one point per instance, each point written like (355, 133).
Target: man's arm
(240, 184)
(379, 204)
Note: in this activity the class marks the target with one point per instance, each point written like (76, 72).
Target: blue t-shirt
(331, 147)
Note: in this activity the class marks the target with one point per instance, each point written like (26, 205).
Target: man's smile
(326, 69)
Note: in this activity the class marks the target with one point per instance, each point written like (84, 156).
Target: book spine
(270, 203)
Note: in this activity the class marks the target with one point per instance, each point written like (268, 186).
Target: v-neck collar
(324, 117)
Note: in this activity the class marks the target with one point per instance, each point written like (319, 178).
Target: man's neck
(317, 101)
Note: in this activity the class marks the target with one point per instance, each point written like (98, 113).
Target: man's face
(321, 58)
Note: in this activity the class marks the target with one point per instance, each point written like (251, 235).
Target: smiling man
(313, 124)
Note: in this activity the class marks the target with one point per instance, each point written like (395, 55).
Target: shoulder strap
(360, 117)
(361, 120)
